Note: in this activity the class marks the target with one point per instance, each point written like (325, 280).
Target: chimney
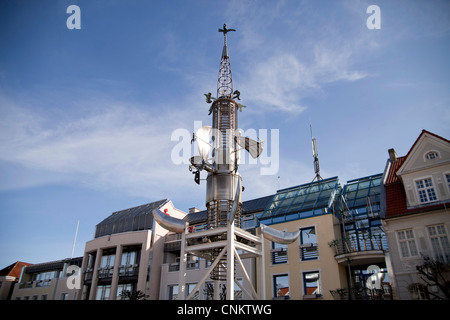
(194, 209)
(392, 155)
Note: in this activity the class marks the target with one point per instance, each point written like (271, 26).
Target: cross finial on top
(225, 31)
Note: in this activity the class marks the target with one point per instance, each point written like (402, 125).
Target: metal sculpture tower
(223, 242)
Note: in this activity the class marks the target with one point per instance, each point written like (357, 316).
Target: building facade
(47, 281)
(341, 244)
(362, 240)
(126, 254)
(9, 277)
(417, 214)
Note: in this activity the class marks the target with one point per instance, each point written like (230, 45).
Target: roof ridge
(142, 205)
(420, 136)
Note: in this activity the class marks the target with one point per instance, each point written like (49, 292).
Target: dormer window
(426, 190)
(431, 155)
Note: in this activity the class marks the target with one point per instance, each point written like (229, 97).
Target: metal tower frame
(224, 243)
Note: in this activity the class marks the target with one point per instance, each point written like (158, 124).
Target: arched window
(431, 155)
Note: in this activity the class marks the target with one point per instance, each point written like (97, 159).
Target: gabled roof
(392, 173)
(425, 136)
(14, 269)
(420, 137)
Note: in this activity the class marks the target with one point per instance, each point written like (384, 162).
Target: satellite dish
(253, 147)
(203, 137)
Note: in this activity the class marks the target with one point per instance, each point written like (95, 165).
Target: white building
(417, 219)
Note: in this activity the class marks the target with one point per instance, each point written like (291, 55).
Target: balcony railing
(36, 284)
(190, 265)
(26, 285)
(105, 272)
(129, 270)
(43, 283)
(358, 293)
(354, 244)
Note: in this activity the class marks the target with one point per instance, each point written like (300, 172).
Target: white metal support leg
(182, 272)
(230, 261)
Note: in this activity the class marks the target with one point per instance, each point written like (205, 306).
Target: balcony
(190, 265)
(105, 272)
(363, 250)
(131, 270)
(172, 242)
(358, 293)
(36, 284)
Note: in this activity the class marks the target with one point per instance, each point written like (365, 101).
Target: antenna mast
(75, 240)
(315, 156)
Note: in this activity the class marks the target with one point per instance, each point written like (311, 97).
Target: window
(48, 275)
(425, 190)
(281, 285)
(431, 155)
(308, 244)
(418, 291)
(189, 288)
(103, 292)
(279, 253)
(107, 265)
(407, 243)
(311, 284)
(64, 296)
(173, 292)
(439, 242)
(447, 178)
(122, 289)
(108, 261)
(44, 297)
(129, 265)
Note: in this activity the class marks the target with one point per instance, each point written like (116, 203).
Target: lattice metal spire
(225, 81)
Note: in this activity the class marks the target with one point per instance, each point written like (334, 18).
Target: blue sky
(86, 116)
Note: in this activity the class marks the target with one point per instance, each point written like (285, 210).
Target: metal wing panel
(203, 136)
(253, 147)
(278, 236)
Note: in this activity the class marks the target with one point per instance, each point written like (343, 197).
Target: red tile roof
(392, 174)
(14, 269)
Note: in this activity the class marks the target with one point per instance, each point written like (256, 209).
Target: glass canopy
(363, 195)
(301, 201)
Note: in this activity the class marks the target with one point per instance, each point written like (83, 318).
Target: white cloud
(114, 146)
(283, 80)
(288, 58)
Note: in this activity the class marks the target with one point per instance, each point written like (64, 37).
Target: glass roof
(358, 192)
(301, 201)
